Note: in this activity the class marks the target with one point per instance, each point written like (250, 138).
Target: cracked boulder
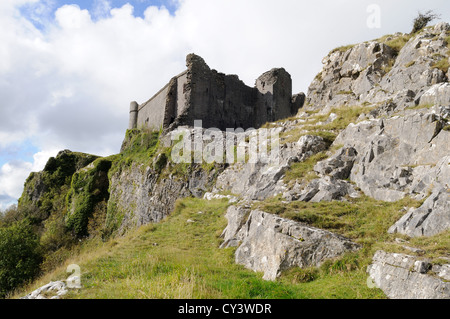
(402, 276)
(271, 244)
(326, 189)
(432, 218)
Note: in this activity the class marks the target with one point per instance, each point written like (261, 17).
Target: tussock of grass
(442, 65)
(396, 42)
(343, 48)
(421, 106)
(345, 116)
(304, 170)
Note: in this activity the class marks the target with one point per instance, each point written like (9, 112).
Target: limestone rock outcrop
(402, 276)
(348, 75)
(374, 72)
(399, 155)
(260, 180)
(140, 196)
(52, 290)
(271, 244)
(432, 218)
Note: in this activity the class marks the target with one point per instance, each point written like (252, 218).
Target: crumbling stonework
(219, 100)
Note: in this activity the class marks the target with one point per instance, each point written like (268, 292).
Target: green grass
(304, 170)
(344, 92)
(364, 219)
(396, 42)
(177, 259)
(343, 48)
(345, 116)
(442, 65)
(421, 106)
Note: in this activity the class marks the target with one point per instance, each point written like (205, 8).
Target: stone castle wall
(219, 100)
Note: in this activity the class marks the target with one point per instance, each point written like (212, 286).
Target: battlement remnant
(219, 100)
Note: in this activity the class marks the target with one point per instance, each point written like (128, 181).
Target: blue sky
(69, 69)
(23, 151)
(98, 8)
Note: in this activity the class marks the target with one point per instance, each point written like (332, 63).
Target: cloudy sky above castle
(69, 68)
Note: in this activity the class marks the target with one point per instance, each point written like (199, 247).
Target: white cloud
(14, 174)
(72, 17)
(68, 84)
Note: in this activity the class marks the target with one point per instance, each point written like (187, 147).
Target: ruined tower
(134, 107)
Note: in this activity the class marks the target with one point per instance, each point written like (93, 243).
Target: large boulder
(432, 218)
(323, 189)
(406, 277)
(438, 94)
(271, 244)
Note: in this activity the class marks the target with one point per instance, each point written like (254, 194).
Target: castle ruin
(219, 100)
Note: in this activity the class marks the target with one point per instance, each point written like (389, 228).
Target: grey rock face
(141, 197)
(406, 277)
(348, 76)
(438, 94)
(404, 155)
(325, 189)
(430, 219)
(332, 184)
(236, 216)
(399, 155)
(219, 100)
(257, 181)
(271, 244)
(373, 73)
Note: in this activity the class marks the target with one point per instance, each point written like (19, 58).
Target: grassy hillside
(180, 258)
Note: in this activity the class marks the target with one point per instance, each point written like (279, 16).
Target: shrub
(422, 20)
(19, 256)
(89, 187)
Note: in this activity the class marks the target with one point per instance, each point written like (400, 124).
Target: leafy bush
(89, 187)
(19, 256)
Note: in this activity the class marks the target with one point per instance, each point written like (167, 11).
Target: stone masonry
(220, 101)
